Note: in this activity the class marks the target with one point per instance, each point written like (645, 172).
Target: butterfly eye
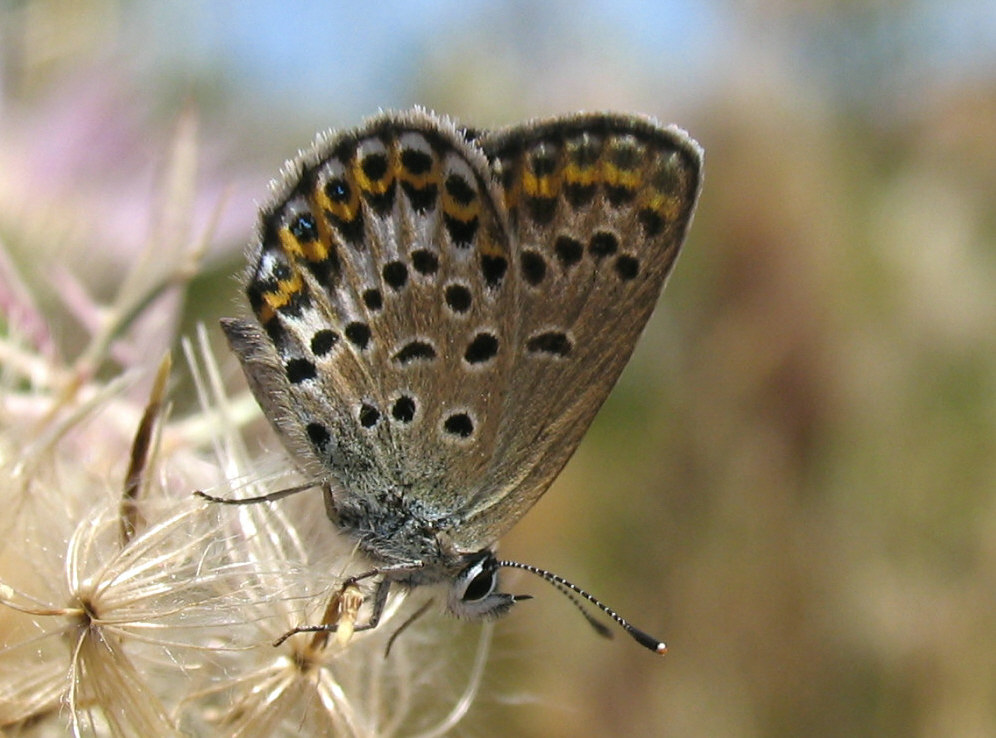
(478, 579)
(473, 591)
(480, 586)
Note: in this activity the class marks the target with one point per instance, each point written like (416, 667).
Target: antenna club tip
(647, 641)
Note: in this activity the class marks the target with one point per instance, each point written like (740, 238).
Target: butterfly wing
(598, 208)
(380, 280)
(439, 319)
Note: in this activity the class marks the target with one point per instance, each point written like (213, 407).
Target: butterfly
(439, 314)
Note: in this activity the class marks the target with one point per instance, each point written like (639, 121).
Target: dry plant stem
(141, 449)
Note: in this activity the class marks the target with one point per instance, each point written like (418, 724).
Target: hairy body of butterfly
(441, 314)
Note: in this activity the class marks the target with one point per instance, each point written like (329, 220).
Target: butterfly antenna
(601, 628)
(572, 592)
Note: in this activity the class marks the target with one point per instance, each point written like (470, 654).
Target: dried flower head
(128, 606)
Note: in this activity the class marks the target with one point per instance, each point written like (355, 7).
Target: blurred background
(793, 483)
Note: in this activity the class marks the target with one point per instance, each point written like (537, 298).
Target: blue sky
(352, 57)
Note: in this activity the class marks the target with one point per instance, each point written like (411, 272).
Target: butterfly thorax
(393, 528)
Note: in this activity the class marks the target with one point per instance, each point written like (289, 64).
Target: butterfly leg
(423, 608)
(271, 497)
(340, 613)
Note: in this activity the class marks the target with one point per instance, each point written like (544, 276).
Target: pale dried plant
(127, 606)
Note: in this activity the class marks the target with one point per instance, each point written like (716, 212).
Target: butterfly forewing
(381, 279)
(599, 206)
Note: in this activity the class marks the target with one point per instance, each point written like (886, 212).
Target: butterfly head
(473, 592)
(473, 595)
